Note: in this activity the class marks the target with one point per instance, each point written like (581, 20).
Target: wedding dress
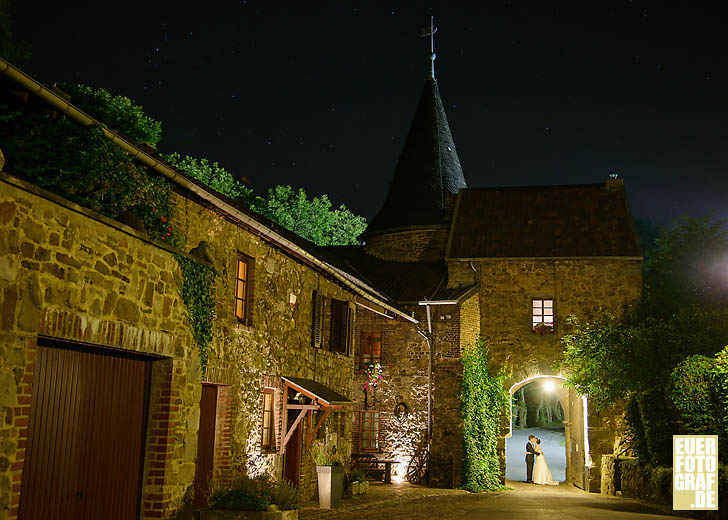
(541, 472)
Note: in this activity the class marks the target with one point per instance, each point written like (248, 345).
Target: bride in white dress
(541, 473)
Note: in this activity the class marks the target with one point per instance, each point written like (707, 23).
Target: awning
(325, 396)
(322, 398)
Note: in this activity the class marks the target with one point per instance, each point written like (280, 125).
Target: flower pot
(364, 487)
(330, 486)
(355, 488)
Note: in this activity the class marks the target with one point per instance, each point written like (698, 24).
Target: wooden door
(86, 435)
(205, 444)
(292, 457)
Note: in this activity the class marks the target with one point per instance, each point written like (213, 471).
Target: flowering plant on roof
(372, 375)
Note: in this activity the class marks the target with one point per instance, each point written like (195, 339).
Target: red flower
(169, 228)
(163, 219)
(163, 238)
(168, 233)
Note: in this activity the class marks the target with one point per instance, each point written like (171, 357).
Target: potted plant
(258, 498)
(359, 484)
(330, 474)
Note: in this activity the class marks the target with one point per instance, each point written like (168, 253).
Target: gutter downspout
(81, 117)
(428, 338)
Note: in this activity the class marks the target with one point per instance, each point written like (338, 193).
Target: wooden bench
(369, 465)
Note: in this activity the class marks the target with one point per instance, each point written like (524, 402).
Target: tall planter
(330, 486)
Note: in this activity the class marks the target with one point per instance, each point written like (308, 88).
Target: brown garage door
(86, 435)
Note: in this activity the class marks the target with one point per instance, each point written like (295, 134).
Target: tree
(313, 219)
(116, 112)
(688, 267)
(683, 312)
(212, 175)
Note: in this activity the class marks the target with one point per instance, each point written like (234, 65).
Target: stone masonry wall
(417, 245)
(582, 288)
(71, 274)
(276, 343)
(404, 361)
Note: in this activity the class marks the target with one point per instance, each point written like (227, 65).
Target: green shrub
(286, 495)
(720, 383)
(116, 112)
(658, 418)
(81, 164)
(255, 494)
(483, 402)
(637, 430)
(358, 476)
(694, 396)
(661, 481)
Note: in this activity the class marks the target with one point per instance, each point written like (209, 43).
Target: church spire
(427, 171)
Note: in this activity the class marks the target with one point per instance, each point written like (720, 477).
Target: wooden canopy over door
(313, 396)
(86, 434)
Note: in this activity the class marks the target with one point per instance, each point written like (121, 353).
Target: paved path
(552, 443)
(525, 501)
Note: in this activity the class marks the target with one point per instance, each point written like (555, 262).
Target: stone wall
(416, 245)
(582, 288)
(69, 273)
(405, 363)
(275, 343)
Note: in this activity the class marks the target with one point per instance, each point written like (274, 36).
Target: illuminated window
(243, 289)
(368, 430)
(371, 347)
(267, 442)
(543, 315)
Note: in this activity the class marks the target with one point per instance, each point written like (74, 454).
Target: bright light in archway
(549, 386)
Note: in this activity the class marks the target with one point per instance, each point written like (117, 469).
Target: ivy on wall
(197, 289)
(483, 402)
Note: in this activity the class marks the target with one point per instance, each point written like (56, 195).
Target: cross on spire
(430, 31)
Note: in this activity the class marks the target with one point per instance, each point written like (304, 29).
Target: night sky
(322, 97)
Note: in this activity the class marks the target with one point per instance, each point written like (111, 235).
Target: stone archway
(576, 421)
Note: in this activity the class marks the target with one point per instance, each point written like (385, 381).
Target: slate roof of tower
(543, 222)
(428, 169)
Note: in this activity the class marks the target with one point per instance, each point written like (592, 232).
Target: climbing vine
(483, 402)
(197, 289)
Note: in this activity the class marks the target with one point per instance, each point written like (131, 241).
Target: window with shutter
(340, 326)
(317, 326)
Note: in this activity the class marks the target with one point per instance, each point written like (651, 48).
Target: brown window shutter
(250, 304)
(317, 324)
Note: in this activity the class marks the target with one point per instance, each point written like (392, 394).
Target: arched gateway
(576, 426)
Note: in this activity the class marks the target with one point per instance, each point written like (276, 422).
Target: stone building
(106, 406)
(508, 264)
(91, 311)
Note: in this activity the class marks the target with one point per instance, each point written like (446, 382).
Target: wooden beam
(318, 426)
(301, 414)
(303, 407)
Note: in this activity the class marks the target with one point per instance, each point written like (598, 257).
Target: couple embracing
(537, 471)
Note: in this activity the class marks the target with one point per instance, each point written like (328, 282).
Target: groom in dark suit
(530, 454)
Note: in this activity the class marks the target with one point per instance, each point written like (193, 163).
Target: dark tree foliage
(688, 267)
(116, 112)
(80, 164)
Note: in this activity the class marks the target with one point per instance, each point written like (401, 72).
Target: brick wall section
(424, 245)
